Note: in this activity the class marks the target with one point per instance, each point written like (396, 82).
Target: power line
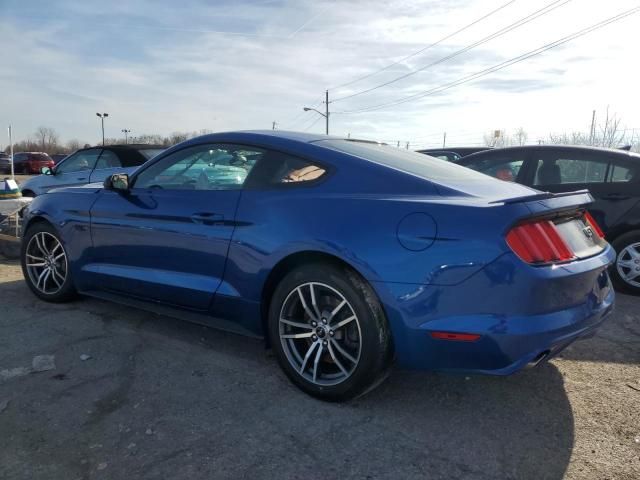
(523, 21)
(423, 49)
(313, 124)
(294, 120)
(499, 66)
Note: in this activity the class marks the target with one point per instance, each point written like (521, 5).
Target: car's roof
(587, 148)
(137, 146)
(282, 134)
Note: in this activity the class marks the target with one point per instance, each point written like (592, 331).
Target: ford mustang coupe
(344, 255)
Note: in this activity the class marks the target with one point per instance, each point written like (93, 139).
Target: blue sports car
(344, 255)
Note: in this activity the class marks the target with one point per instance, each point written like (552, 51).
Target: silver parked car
(90, 165)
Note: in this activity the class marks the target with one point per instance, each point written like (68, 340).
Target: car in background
(88, 165)
(58, 157)
(5, 163)
(263, 233)
(31, 162)
(452, 154)
(611, 176)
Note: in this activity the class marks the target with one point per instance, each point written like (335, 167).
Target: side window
(202, 167)
(502, 168)
(80, 161)
(566, 168)
(624, 173)
(281, 169)
(108, 159)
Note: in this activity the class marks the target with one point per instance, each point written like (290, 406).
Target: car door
(167, 238)
(73, 170)
(566, 170)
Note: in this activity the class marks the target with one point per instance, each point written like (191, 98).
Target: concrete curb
(9, 246)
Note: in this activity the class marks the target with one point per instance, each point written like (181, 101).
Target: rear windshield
(43, 157)
(149, 153)
(406, 161)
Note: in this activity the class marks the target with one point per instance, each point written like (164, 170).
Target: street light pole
(102, 117)
(11, 150)
(126, 133)
(326, 111)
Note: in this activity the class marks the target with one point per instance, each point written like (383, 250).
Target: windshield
(406, 161)
(149, 153)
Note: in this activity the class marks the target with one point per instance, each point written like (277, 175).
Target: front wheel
(329, 332)
(45, 264)
(626, 271)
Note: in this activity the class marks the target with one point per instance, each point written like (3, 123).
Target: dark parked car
(612, 177)
(344, 254)
(452, 154)
(31, 162)
(58, 157)
(5, 163)
(90, 165)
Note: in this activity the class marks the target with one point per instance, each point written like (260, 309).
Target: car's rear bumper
(521, 319)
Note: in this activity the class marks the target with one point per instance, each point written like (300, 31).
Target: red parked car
(31, 162)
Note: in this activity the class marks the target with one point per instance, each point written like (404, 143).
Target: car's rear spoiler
(547, 203)
(548, 195)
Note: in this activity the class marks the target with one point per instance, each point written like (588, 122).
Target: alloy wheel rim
(628, 264)
(46, 263)
(320, 334)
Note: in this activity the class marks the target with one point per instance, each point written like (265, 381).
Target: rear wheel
(625, 272)
(329, 332)
(45, 264)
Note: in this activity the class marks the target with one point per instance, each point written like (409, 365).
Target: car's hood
(34, 182)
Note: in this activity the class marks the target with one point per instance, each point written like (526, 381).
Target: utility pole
(326, 110)
(102, 117)
(444, 140)
(592, 131)
(11, 150)
(273, 125)
(126, 135)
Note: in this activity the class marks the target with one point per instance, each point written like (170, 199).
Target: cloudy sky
(164, 66)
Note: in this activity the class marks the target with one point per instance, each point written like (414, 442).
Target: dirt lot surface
(131, 395)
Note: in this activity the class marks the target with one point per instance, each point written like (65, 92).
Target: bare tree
(72, 145)
(610, 134)
(521, 136)
(47, 138)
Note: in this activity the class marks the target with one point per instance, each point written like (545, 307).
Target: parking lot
(159, 398)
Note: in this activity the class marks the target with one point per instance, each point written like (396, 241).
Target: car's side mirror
(46, 171)
(117, 181)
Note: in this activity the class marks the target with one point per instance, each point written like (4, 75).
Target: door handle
(616, 196)
(81, 178)
(207, 218)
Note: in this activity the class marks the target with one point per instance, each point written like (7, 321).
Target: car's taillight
(593, 224)
(539, 242)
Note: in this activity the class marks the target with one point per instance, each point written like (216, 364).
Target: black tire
(67, 291)
(620, 244)
(375, 354)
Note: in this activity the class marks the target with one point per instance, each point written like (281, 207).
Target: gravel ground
(163, 399)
